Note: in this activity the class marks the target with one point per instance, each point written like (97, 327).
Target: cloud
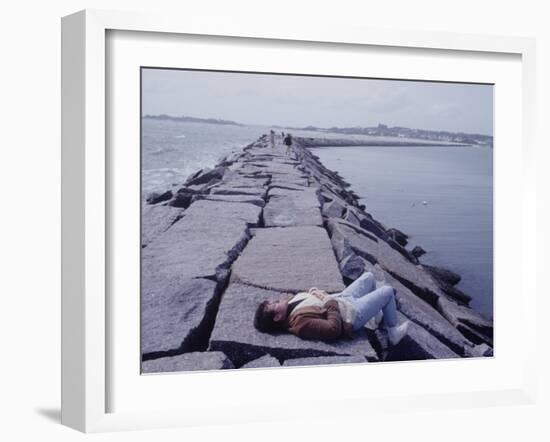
(320, 101)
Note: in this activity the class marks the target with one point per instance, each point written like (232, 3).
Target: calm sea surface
(454, 226)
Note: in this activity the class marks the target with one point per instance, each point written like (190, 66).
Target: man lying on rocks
(317, 315)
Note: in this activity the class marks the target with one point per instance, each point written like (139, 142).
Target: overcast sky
(298, 101)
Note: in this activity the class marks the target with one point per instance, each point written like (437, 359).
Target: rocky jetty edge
(262, 223)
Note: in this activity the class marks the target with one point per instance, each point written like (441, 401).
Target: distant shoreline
(379, 141)
(184, 119)
(401, 136)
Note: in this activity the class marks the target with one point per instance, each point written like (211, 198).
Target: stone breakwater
(263, 223)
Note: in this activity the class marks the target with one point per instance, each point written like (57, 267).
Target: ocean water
(442, 197)
(171, 151)
(454, 226)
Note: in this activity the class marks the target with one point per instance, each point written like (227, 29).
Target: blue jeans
(368, 301)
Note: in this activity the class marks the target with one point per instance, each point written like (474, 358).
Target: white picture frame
(85, 201)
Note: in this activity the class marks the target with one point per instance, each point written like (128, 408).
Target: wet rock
(418, 251)
(235, 335)
(398, 236)
(324, 360)
(197, 173)
(404, 252)
(206, 176)
(446, 280)
(368, 223)
(212, 360)
(263, 362)
(290, 259)
(444, 275)
(183, 197)
(158, 197)
(471, 324)
(456, 294)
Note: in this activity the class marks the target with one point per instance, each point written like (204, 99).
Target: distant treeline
(190, 119)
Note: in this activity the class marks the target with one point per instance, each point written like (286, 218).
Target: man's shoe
(395, 334)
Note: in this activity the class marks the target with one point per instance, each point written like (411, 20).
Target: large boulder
(333, 209)
(443, 275)
(398, 236)
(184, 197)
(418, 344)
(175, 318)
(156, 220)
(447, 280)
(292, 208)
(211, 360)
(158, 197)
(289, 259)
(235, 335)
(352, 216)
(352, 266)
(471, 324)
(182, 270)
(206, 176)
(368, 223)
(428, 317)
(418, 251)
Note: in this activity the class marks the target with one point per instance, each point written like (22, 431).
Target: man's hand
(319, 294)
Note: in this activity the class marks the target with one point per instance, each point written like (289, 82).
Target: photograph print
(304, 220)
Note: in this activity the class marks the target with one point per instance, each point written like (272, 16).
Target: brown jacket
(323, 323)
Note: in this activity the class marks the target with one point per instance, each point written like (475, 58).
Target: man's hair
(264, 320)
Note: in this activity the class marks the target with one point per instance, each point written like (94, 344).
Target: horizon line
(311, 125)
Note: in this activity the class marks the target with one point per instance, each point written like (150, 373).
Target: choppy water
(454, 227)
(171, 151)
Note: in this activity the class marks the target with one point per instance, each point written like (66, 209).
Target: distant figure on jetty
(317, 315)
(288, 143)
(272, 138)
